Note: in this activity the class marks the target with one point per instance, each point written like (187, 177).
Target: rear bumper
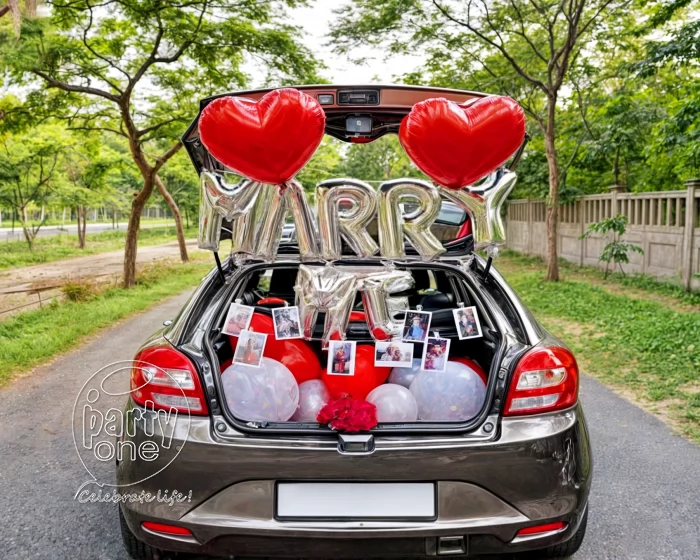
(535, 470)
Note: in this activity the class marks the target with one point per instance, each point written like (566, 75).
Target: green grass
(7, 222)
(32, 338)
(647, 345)
(649, 284)
(54, 248)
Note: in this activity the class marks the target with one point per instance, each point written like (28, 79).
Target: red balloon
(296, 354)
(472, 364)
(268, 140)
(456, 145)
(366, 376)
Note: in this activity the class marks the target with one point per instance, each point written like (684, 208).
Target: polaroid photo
(250, 348)
(393, 354)
(341, 357)
(435, 354)
(467, 322)
(238, 319)
(287, 323)
(416, 326)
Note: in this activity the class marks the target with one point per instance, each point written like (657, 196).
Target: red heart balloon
(268, 140)
(296, 354)
(366, 376)
(456, 145)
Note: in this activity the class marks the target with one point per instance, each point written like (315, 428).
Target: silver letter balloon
(351, 223)
(394, 223)
(326, 289)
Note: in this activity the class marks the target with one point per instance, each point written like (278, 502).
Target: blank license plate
(356, 500)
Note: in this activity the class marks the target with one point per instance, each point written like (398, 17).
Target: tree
(182, 184)
(16, 10)
(380, 160)
(524, 48)
(323, 165)
(137, 68)
(29, 169)
(615, 250)
(86, 165)
(679, 134)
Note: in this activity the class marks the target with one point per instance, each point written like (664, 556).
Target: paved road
(645, 503)
(46, 231)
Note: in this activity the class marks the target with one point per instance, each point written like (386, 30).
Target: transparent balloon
(394, 403)
(265, 394)
(456, 394)
(404, 376)
(313, 396)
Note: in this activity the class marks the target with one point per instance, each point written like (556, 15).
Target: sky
(315, 20)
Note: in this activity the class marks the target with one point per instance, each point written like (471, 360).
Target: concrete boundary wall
(665, 224)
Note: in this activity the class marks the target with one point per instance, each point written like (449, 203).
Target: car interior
(436, 290)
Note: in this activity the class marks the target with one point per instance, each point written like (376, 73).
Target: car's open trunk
(439, 288)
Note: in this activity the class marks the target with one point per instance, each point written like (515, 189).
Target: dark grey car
(514, 478)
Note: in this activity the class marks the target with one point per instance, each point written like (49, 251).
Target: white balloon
(394, 403)
(265, 394)
(456, 394)
(404, 376)
(313, 396)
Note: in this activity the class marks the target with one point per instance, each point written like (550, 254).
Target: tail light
(539, 529)
(175, 530)
(545, 380)
(167, 379)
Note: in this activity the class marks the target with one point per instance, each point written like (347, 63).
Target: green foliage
(182, 52)
(615, 250)
(615, 124)
(323, 165)
(183, 185)
(138, 68)
(30, 172)
(380, 160)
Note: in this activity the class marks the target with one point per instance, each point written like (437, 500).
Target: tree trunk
(132, 230)
(80, 211)
(170, 201)
(27, 230)
(553, 208)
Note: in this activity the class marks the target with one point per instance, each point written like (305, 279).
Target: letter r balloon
(394, 223)
(350, 223)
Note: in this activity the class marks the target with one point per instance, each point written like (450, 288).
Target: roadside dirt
(29, 287)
